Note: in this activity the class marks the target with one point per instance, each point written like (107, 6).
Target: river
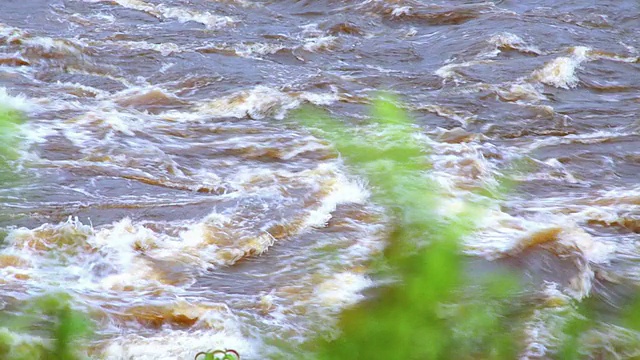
(166, 191)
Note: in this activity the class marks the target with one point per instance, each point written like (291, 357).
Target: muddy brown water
(186, 212)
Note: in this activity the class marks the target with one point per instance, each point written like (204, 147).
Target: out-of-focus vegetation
(435, 308)
(48, 328)
(10, 120)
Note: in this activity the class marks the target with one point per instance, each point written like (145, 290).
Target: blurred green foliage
(436, 307)
(47, 328)
(10, 121)
(433, 310)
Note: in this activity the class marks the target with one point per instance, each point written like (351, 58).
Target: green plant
(434, 310)
(10, 121)
(46, 328)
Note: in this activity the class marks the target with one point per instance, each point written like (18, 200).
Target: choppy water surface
(168, 195)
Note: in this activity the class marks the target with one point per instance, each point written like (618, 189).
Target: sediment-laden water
(162, 187)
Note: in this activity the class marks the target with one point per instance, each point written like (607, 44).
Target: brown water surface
(185, 212)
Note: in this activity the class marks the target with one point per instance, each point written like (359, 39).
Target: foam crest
(36, 47)
(109, 119)
(209, 20)
(342, 289)
(222, 239)
(54, 45)
(521, 92)
(605, 55)
(450, 71)
(17, 102)
(343, 192)
(65, 236)
(175, 344)
(561, 72)
(146, 96)
(596, 137)
(320, 43)
(260, 49)
(11, 34)
(165, 49)
(260, 102)
(507, 41)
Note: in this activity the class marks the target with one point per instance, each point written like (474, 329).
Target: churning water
(167, 194)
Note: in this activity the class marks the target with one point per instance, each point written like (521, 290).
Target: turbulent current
(162, 187)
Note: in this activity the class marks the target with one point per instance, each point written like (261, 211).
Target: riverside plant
(46, 327)
(436, 306)
(10, 121)
(432, 310)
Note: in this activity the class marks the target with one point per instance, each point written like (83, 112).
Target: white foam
(67, 46)
(614, 57)
(80, 249)
(171, 345)
(255, 103)
(344, 192)
(165, 49)
(85, 88)
(518, 230)
(130, 94)
(309, 146)
(252, 49)
(507, 40)
(449, 71)
(502, 235)
(72, 229)
(260, 102)
(211, 21)
(121, 238)
(463, 117)
(342, 289)
(83, 135)
(50, 44)
(561, 72)
(222, 240)
(541, 330)
(16, 102)
(595, 137)
(520, 92)
(136, 5)
(319, 43)
(318, 98)
(401, 11)
(11, 34)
